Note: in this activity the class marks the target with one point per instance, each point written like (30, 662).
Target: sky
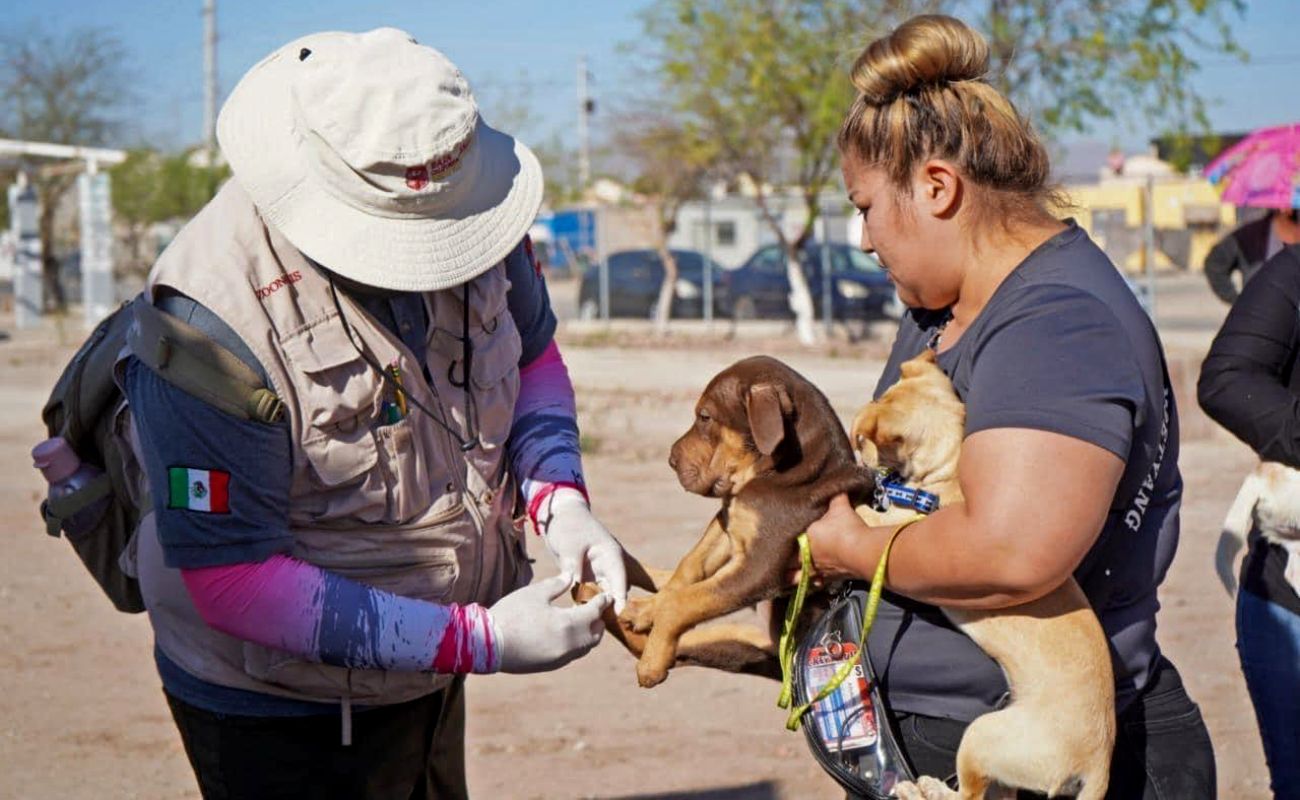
(521, 58)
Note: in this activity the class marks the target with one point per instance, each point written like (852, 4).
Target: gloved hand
(581, 545)
(531, 635)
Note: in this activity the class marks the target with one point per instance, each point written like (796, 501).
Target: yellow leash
(787, 644)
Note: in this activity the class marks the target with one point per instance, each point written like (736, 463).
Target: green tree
(68, 88)
(1072, 63)
(671, 160)
(149, 187)
(767, 82)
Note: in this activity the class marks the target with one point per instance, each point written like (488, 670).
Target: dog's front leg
(734, 586)
(708, 554)
(695, 565)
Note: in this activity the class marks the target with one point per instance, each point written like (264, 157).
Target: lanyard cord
(787, 645)
(467, 368)
(464, 444)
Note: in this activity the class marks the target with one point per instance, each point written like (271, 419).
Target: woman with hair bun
(1070, 461)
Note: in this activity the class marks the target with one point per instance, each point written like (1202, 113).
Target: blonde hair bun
(927, 50)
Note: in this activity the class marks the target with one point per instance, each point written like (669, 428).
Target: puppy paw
(907, 791)
(935, 789)
(649, 675)
(639, 614)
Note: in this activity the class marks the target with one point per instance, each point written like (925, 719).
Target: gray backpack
(86, 408)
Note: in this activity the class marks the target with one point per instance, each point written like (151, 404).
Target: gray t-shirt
(1062, 346)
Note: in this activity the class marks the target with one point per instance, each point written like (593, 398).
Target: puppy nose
(672, 460)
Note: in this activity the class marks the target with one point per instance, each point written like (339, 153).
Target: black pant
(1162, 749)
(409, 751)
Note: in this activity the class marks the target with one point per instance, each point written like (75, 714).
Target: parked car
(860, 289)
(634, 280)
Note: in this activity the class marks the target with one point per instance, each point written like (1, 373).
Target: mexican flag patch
(206, 490)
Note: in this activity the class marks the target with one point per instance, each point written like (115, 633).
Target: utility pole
(210, 80)
(585, 107)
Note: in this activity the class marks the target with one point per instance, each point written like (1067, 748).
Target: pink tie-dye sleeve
(544, 442)
(290, 605)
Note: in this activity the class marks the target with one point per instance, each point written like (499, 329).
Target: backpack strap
(189, 359)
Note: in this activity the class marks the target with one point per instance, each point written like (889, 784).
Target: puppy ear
(864, 425)
(918, 364)
(766, 407)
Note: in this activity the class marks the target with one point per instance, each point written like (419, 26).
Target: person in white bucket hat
(320, 579)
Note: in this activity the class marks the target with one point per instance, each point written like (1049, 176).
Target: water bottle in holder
(79, 492)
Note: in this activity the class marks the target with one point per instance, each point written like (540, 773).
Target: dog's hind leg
(730, 647)
(1094, 787)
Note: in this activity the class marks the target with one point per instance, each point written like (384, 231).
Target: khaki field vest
(397, 506)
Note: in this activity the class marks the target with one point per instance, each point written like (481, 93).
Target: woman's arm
(1241, 385)
(1223, 260)
(1035, 503)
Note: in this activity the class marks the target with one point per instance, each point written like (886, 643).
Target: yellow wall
(1173, 201)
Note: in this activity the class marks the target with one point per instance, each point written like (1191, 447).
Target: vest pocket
(339, 397)
(496, 384)
(336, 384)
(413, 471)
(342, 466)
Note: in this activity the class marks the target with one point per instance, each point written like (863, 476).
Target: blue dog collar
(890, 491)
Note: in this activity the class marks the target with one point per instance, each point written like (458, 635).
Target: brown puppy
(766, 442)
(1057, 734)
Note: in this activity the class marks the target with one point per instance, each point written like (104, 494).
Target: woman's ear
(940, 187)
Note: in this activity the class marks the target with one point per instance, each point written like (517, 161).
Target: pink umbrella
(1262, 170)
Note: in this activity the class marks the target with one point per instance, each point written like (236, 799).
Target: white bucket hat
(367, 152)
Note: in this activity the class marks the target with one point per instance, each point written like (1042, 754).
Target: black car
(859, 288)
(634, 280)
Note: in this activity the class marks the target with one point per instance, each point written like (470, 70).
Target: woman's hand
(837, 532)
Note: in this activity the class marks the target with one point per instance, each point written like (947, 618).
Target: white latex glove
(581, 545)
(532, 635)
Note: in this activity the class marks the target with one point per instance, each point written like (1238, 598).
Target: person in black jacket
(1249, 384)
(1246, 248)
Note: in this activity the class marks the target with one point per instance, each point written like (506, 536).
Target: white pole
(708, 258)
(100, 155)
(24, 210)
(210, 80)
(98, 295)
(1149, 243)
(584, 106)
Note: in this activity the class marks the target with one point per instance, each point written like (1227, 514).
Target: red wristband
(546, 491)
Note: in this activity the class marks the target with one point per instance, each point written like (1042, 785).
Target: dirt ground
(82, 714)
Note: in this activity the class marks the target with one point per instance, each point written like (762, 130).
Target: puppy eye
(702, 416)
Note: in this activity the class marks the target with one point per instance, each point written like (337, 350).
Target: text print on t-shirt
(1138, 508)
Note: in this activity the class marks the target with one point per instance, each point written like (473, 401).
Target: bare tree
(66, 88)
(671, 160)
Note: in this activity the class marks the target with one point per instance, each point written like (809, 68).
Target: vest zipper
(469, 504)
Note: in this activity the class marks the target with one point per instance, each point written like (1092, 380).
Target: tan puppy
(1270, 499)
(1057, 734)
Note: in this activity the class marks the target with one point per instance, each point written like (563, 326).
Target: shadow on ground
(762, 790)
